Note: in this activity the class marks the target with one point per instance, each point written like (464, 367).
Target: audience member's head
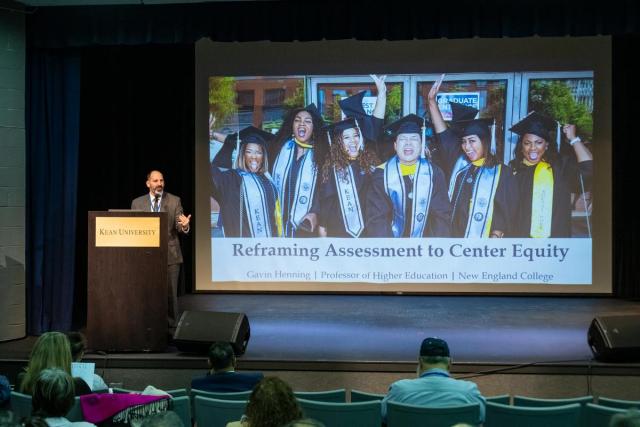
(272, 404)
(631, 418)
(53, 393)
(78, 345)
(33, 421)
(306, 422)
(163, 419)
(221, 357)
(51, 350)
(434, 353)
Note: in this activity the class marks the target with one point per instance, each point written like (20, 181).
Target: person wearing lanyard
(434, 386)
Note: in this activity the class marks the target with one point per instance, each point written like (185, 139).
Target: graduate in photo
(546, 174)
(248, 198)
(349, 165)
(295, 171)
(482, 191)
(408, 194)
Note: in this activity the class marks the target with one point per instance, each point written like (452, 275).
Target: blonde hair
(51, 350)
(240, 164)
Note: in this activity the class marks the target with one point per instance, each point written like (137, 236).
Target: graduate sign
(542, 261)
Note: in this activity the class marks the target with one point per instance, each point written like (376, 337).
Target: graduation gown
(288, 199)
(379, 207)
(505, 201)
(225, 188)
(330, 210)
(565, 173)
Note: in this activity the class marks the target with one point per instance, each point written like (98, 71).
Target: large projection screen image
(455, 166)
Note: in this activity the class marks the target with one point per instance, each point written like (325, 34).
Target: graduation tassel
(234, 163)
(329, 137)
(361, 144)
(424, 140)
(558, 135)
(493, 137)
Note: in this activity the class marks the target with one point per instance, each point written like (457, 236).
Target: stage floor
(381, 328)
(383, 333)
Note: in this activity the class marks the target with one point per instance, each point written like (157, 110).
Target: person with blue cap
(295, 170)
(350, 163)
(434, 386)
(408, 193)
(545, 170)
(482, 191)
(248, 198)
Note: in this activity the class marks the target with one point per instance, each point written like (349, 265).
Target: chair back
(598, 415)
(181, 405)
(20, 404)
(523, 416)
(216, 412)
(505, 399)
(539, 403)
(336, 396)
(361, 414)
(401, 414)
(75, 413)
(618, 403)
(238, 395)
(178, 392)
(362, 396)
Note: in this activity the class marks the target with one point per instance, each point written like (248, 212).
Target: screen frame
(352, 57)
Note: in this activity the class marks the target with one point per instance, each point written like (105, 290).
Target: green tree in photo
(394, 103)
(222, 99)
(296, 100)
(554, 98)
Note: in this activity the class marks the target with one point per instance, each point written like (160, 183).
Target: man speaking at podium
(159, 200)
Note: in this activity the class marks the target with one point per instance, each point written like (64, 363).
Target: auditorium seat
(537, 402)
(239, 395)
(618, 403)
(361, 414)
(20, 404)
(400, 415)
(504, 399)
(217, 412)
(362, 396)
(598, 415)
(178, 392)
(499, 415)
(336, 396)
(181, 405)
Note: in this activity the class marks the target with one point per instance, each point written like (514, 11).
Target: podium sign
(127, 281)
(135, 232)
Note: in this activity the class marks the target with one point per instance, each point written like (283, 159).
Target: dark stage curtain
(137, 115)
(316, 20)
(53, 123)
(626, 110)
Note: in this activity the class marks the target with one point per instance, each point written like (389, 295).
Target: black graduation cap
(250, 134)
(536, 124)
(411, 123)
(340, 126)
(461, 112)
(352, 106)
(464, 121)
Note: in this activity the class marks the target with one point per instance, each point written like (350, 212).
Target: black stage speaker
(197, 330)
(615, 338)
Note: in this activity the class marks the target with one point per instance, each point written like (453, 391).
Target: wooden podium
(127, 281)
